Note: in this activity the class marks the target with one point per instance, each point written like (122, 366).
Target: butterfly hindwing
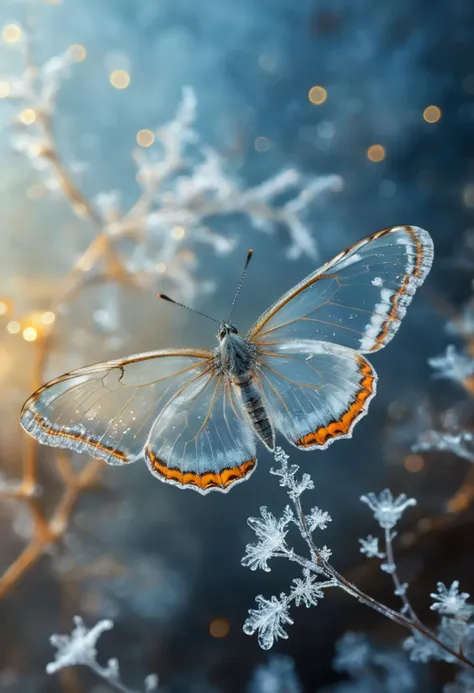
(203, 438)
(315, 392)
(358, 298)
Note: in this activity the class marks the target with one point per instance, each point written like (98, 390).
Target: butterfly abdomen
(253, 403)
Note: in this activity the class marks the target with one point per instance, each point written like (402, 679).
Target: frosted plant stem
(340, 581)
(400, 589)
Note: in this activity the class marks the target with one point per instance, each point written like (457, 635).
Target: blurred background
(145, 146)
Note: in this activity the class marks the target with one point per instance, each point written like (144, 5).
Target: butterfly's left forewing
(108, 409)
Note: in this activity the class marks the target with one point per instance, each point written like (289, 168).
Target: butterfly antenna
(249, 257)
(193, 310)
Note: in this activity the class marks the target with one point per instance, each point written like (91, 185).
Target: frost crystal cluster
(272, 615)
(79, 649)
(453, 640)
(371, 669)
(452, 365)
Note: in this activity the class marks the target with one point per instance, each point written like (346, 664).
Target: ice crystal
(370, 547)
(460, 443)
(449, 601)
(271, 533)
(278, 675)
(269, 620)
(287, 473)
(79, 649)
(307, 590)
(452, 365)
(317, 519)
(371, 669)
(387, 510)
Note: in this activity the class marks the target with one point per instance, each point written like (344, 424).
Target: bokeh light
(120, 79)
(432, 114)
(376, 153)
(145, 138)
(317, 95)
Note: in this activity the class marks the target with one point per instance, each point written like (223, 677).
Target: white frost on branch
(79, 649)
(452, 365)
(461, 443)
(387, 510)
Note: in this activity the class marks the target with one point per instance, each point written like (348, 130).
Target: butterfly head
(226, 328)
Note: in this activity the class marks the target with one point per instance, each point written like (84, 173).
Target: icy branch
(79, 649)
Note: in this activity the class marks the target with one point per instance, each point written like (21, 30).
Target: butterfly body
(195, 415)
(237, 359)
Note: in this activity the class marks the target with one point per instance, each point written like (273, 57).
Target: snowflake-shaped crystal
(268, 619)
(370, 547)
(317, 519)
(452, 365)
(306, 590)
(451, 602)
(271, 532)
(387, 509)
(79, 647)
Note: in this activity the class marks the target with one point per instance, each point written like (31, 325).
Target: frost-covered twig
(273, 615)
(79, 649)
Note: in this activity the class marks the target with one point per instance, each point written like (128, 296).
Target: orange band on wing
(204, 481)
(395, 299)
(343, 426)
(70, 435)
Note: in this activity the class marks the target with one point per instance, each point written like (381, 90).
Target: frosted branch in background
(79, 649)
(184, 186)
(453, 365)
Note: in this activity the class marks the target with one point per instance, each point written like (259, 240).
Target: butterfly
(196, 415)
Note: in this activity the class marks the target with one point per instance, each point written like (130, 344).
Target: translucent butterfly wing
(358, 298)
(203, 438)
(315, 391)
(108, 409)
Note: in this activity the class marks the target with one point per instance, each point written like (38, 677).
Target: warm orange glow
(120, 79)
(219, 628)
(145, 138)
(414, 463)
(4, 307)
(432, 114)
(317, 95)
(376, 153)
(11, 33)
